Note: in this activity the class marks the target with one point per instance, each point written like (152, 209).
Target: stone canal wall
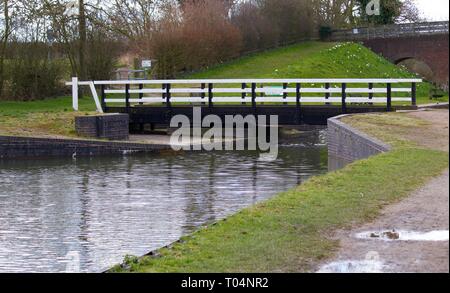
(29, 147)
(347, 144)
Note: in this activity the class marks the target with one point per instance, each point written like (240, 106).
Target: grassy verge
(289, 233)
(49, 117)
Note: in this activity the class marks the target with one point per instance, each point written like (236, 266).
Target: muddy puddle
(371, 264)
(403, 235)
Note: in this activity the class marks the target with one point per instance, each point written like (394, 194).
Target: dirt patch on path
(425, 210)
(436, 135)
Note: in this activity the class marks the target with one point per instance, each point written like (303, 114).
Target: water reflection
(54, 213)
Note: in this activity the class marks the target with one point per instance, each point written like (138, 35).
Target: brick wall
(431, 49)
(107, 126)
(27, 147)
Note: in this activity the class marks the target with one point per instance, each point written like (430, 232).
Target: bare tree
(83, 36)
(5, 32)
(409, 12)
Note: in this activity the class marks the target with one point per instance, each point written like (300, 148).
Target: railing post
(327, 94)
(141, 94)
(298, 105)
(370, 94)
(210, 95)
(75, 93)
(244, 95)
(168, 95)
(127, 97)
(254, 96)
(414, 94)
(103, 93)
(203, 95)
(344, 98)
(389, 97)
(164, 92)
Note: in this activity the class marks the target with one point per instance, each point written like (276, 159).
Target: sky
(434, 9)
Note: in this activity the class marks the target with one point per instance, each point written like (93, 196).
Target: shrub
(32, 75)
(256, 29)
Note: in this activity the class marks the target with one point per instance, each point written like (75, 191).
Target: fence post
(210, 95)
(244, 95)
(370, 94)
(127, 97)
(344, 98)
(164, 92)
(327, 94)
(168, 95)
(141, 94)
(75, 93)
(254, 96)
(389, 97)
(285, 85)
(298, 105)
(414, 94)
(203, 95)
(103, 88)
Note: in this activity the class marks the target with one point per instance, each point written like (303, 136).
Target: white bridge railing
(248, 91)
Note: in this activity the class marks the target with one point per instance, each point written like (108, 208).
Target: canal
(86, 214)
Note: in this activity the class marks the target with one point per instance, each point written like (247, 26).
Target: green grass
(264, 65)
(315, 60)
(60, 104)
(290, 233)
(49, 117)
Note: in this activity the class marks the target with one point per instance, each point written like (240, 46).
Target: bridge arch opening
(417, 66)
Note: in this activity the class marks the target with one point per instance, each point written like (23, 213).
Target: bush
(208, 35)
(256, 29)
(32, 75)
(193, 36)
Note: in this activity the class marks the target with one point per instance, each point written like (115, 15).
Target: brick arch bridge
(426, 42)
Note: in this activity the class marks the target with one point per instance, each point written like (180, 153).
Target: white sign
(146, 63)
(274, 91)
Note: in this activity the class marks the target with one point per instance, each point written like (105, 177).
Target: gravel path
(437, 135)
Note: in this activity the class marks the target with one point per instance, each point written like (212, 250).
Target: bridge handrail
(395, 30)
(250, 91)
(249, 81)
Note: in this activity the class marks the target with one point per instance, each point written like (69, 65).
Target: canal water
(85, 215)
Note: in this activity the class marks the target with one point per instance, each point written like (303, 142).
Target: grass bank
(290, 233)
(49, 117)
(316, 60)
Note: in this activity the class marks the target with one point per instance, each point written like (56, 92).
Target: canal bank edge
(347, 144)
(12, 147)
